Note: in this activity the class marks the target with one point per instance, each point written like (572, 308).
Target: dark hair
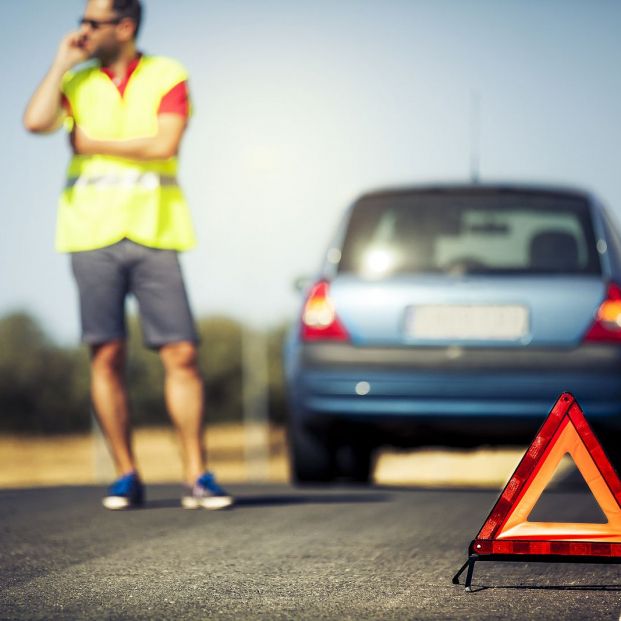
(131, 9)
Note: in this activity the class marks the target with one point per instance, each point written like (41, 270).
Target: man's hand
(44, 111)
(71, 52)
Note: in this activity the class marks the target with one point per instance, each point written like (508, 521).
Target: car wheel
(613, 452)
(312, 456)
(355, 463)
(610, 439)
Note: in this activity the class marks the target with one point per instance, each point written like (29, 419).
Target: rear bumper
(500, 394)
(594, 358)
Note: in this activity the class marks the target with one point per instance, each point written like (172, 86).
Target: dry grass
(440, 468)
(83, 459)
(237, 454)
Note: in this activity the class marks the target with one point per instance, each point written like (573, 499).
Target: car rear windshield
(504, 233)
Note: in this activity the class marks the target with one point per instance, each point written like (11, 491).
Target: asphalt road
(282, 553)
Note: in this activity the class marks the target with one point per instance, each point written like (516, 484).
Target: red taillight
(319, 320)
(607, 324)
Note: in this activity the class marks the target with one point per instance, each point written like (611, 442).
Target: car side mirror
(301, 283)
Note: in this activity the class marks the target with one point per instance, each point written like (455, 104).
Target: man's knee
(108, 357)
(181, 356)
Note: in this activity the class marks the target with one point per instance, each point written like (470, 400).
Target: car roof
(481, 188)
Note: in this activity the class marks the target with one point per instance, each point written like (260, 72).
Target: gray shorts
(106, 276)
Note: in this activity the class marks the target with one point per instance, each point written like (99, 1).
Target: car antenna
(475, 112)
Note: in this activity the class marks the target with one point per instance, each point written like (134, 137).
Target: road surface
(282, 553)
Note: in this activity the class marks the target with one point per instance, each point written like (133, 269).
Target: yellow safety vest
(108, 198)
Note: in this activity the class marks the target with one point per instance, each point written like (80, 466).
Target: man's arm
(163, 145)
(44, 111)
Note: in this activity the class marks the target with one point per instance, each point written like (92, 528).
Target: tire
(610, 440)
(355, 463)
(614, 456)
(312, 456)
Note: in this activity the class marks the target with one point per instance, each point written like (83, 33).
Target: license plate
(467, 322)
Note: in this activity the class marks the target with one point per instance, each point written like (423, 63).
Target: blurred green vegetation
(44, 387)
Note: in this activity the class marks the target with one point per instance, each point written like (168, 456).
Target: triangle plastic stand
(507, 535)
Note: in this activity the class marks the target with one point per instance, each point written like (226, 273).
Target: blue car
(455, 316)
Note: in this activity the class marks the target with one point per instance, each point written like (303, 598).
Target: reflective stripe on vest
(147, 180)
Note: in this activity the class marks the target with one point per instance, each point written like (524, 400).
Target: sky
(302, 105)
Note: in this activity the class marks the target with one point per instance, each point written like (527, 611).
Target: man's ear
(126, 29)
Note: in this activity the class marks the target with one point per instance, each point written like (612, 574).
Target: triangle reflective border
(507, 534)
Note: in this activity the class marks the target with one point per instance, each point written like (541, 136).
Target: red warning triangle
(507, 530)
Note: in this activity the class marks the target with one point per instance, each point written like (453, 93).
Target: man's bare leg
(183, 390)
(109, 395)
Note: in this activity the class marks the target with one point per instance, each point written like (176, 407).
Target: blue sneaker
(125, 493)
(205, 493)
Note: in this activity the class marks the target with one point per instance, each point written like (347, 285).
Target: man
(123, 218)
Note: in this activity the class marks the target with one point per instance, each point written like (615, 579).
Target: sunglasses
(98, 23)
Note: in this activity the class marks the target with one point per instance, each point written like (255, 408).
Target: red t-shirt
(175, 101)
